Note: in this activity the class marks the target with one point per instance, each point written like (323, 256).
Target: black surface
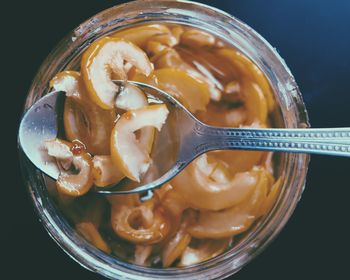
(313, 38)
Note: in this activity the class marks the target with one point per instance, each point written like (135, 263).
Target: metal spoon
(182, 139)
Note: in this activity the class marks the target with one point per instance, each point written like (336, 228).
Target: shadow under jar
(290, 112)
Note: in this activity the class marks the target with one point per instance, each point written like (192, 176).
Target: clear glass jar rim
(253, 45)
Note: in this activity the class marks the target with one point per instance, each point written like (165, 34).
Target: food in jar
(109, 137)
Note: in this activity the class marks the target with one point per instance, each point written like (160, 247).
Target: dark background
(314, 39)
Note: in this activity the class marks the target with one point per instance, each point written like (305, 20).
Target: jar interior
(275, 117)
(282, 162)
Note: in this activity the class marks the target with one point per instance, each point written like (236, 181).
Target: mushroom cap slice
(68, 183)
(207, 185)
(234, 220)
(83, 119)
(107, 56)
(127, 152)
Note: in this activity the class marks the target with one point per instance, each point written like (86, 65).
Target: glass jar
(293, 167)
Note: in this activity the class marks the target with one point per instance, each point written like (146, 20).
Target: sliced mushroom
(83, 120)
(128, 154)
(249, 70)
(204, 250)
(271, 197)
(106, 56)
(150, 80)
(162, 191)
(90, 233)
(177, 31)
(196, 38)
(169, 58)
(177, 244)
(130, 98)
(68, 183)
(145, 224)
(105, 172)
(192, 92)
(238, 161)
(234, 220)
(202, 191)
(142, 253)
(61, 151)
(69, 82)
(142, 34)
(166, 39)
(254, 102)
(174, 204)
(219, 114)
(154, 48)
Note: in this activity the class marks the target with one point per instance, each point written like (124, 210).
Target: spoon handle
(325, 141)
